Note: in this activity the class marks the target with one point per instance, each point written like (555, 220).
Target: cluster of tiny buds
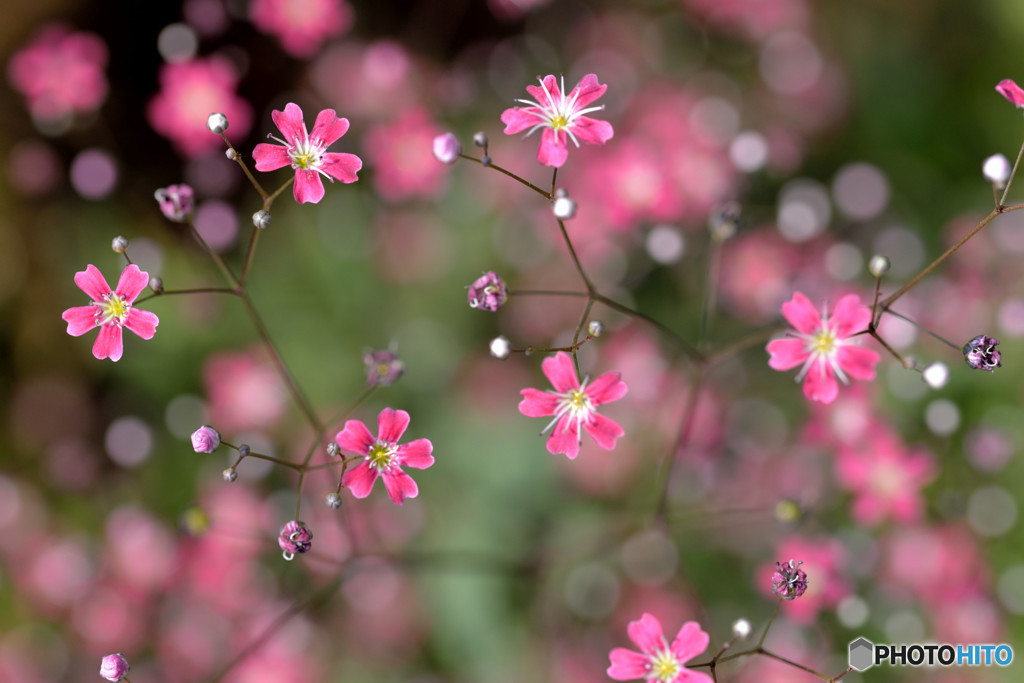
(741, 629)
(119, 244)
(878, 265)
(333, 449)
(229, 475)
(936, 375)
(156, 284)
(595, 328)
(261, 219)
(500, 347)
(333, 501)
(563, 207)
(217, 123)
(996, 170)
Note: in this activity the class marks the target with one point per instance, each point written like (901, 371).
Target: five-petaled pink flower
(384, 455)
(305, 152)
(574, 406)
(561, 116)
(658, 661)
(1011, 91)
(111, 310)
(824, 346)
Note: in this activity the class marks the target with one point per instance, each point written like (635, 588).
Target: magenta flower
(560, 116)
(488, 292)
(302, 25)
(295, 537)
(574, 406)
(658, 661)
(789, 582)
(111, 310)
(305, 153)
(384, 456)
(824, 346)
(1011, 91)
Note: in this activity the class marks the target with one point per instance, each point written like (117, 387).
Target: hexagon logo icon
(862, 654)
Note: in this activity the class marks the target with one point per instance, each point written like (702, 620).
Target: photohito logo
(864, 654)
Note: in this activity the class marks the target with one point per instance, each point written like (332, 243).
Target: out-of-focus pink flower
(384, 456)
(60, 72)
(244, 392)
(757, 19)
(383, 367)
(1011, 91)
(885, 477)
(373, 81)
(824, 346)
(307, 153)
(561, 115)
(114, 667)
(658, 661)
(177, 202)
(935, 564)
(574, 406)
(402, 156)
(302, 25)
(488, 292)
(206, 439)
(189, 92)
(111, 310)
(513, 10)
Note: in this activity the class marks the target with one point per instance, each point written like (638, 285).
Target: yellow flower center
(823, 342)
(665, 667)
(113, 309)
(381, 455)
(559, 122)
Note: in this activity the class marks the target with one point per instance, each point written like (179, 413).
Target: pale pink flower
(885, 476)
(306, 153)
(60, 72)
(824, 346)
(574, 406)
(244, 391)
(384, 456)
(189, 92)
(757, 19)
(1011, 91)
(561, 116)
(401, 154)
(302, 25)
(658, 661)
(111, 310)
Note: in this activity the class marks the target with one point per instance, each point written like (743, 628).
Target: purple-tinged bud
(295, 537)
(789, 581)
(177, 202)
(217, 123)
(447, 148)
(488, 292)
(119, 244)
(114, 667)
(206, 439)
(980, 353)
(156, 284)
(383, 367)
(333, 501)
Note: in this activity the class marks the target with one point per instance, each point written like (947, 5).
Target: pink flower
(560, 115)
(657, 661)
(189, 92)
(60, 72)
(824, 346)
(244, 391)
(114, 667)
(111, 310)
(574, 406)
(401, 153)
(305, 153)
(384, 455)
(1011, 91)
(301, 25)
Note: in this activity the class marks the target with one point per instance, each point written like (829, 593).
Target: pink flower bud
(447, 148)
(176, 202)
(1011, 91)
(205, 439)
(488, 292)
(114, 667)
(295, 537)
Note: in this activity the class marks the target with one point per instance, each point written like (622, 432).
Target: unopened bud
(563, 207)
(156, 284)
(230, 474)
(230, 153)
(878, 265)
(333, 501)
(936, 375)
(114, 667)
(996, 170)
(261, 219)
(447, 148)
(244, 450)
(333, 449)
(741, 629)
(206, 439)
(596, 328)
(217, 123)
(480, 139)
(119, 244)
(500, 347)
(724, 220)
(177, 202)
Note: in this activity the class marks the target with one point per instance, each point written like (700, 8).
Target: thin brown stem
(510, 174)
(198, 290)
(1013, 173)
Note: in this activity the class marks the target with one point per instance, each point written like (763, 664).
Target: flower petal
(290, 122)
(329, 127)
(360, 480)
(142, 323)
(857, 361)
(547, 92)
(391, 424)
(592, 131)
(802, 314)
(538, 403)
(564, 438)
(604, 430)
(108, 343)
(553, 150)
(786, 353)
(606, 388)
(560, 371)
(689, 642)
(399, 485)
(80, 319)
(587, 90)
(341, 166)
(355, 437)
(416, 454)
(308, 187)
(92, 282)
(518, 119)
(627, 665)
(270, 157)
(820, 385)
(691, 676)
(131, 283)
(646, 633)
(850, 316)
(1011, 91)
